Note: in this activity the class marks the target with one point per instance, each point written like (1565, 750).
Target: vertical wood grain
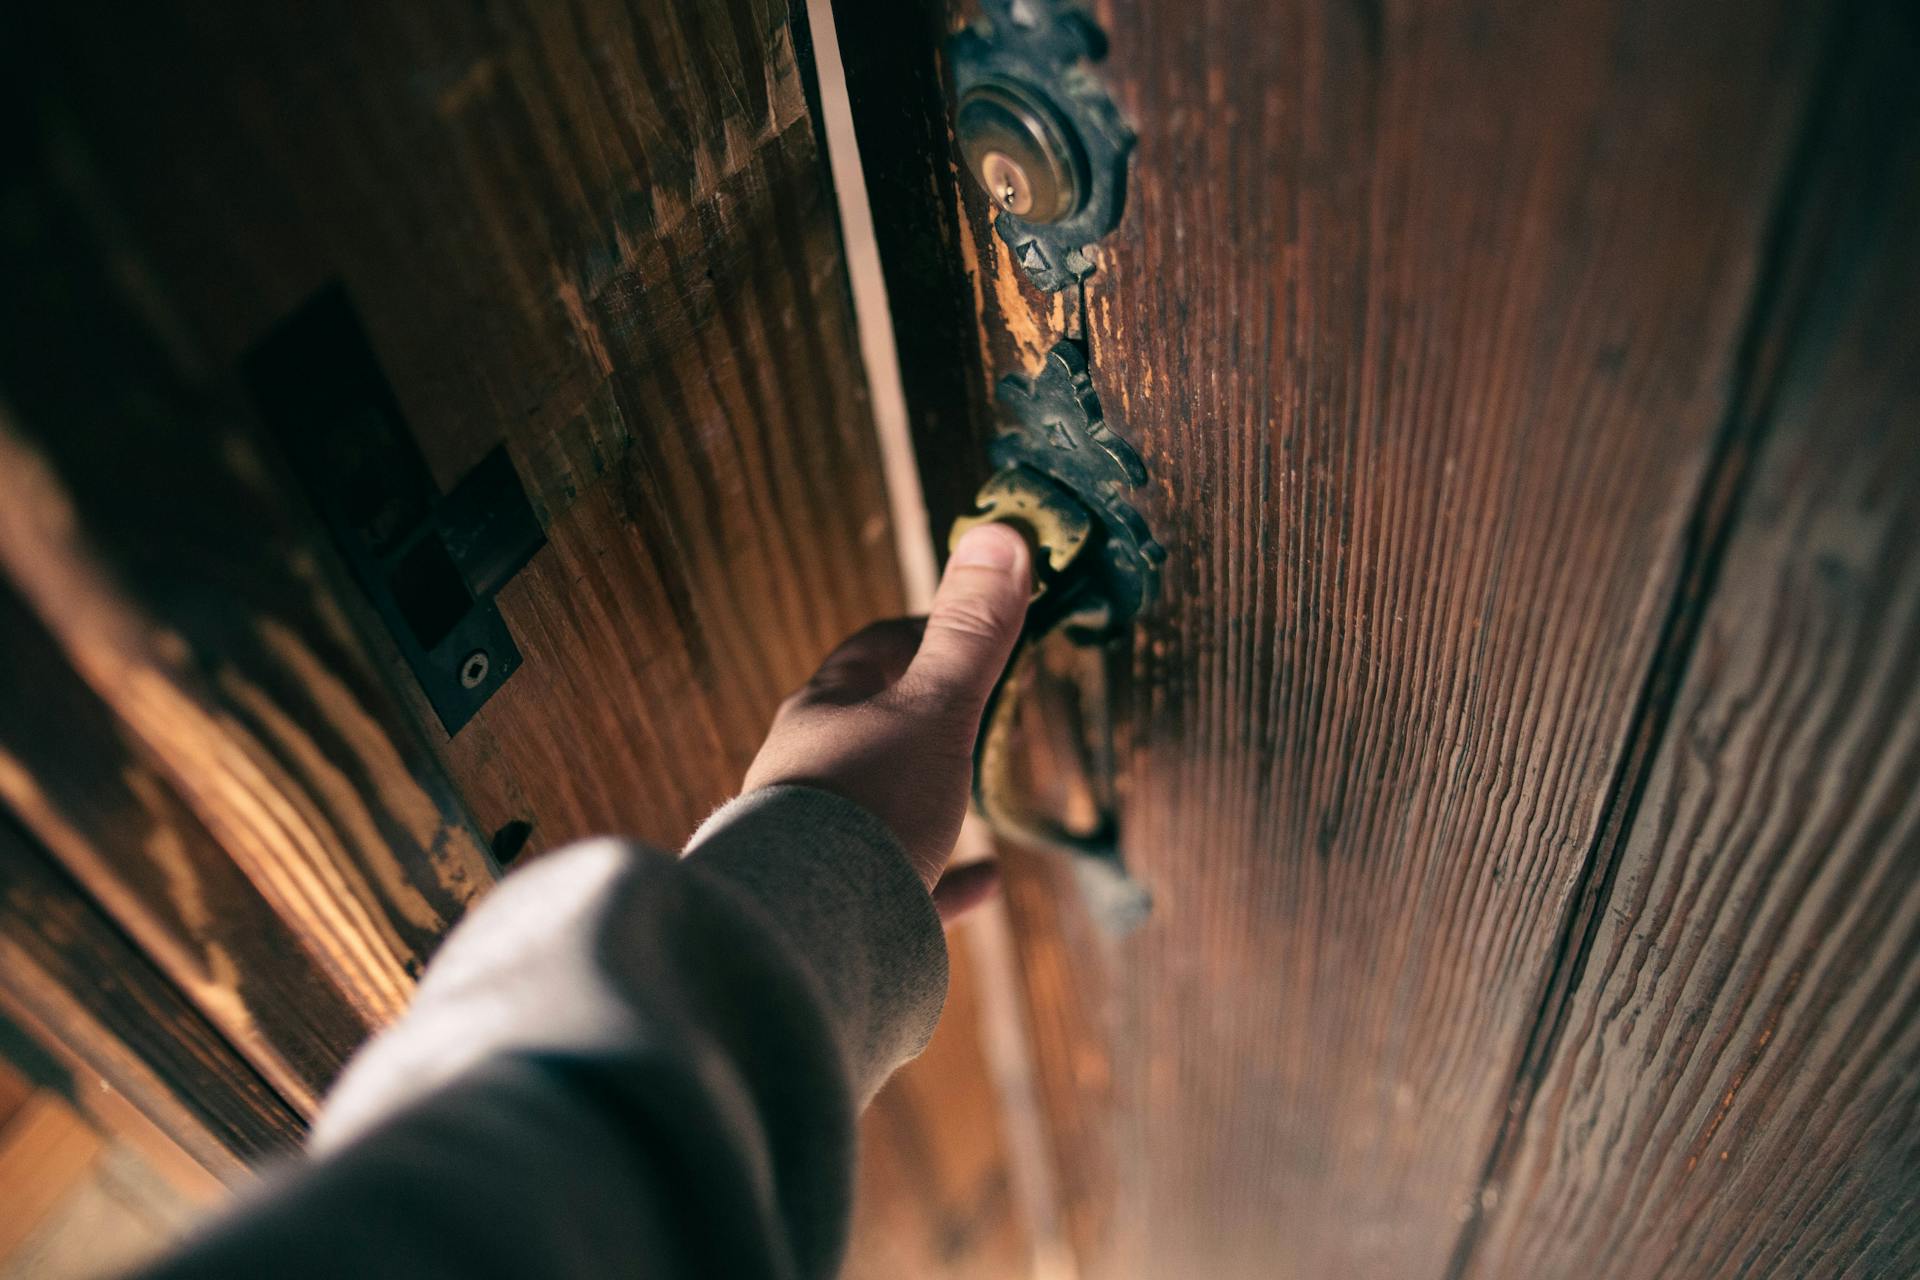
(189, 723)
(600, 233)
(76, 777)
(1732, 1087)
(1425, 318)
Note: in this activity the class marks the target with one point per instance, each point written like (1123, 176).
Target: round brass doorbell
(1020, 151)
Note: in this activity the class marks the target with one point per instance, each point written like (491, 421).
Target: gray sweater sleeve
(624, 1064)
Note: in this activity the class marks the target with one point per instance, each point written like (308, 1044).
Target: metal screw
(474, 668)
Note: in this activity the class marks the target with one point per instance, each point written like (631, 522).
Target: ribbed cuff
(840, 888)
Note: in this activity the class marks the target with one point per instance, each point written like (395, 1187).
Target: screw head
(474, 668)
(1021, 151)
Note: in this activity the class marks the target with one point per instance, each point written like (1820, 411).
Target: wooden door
(1520, 754)
(596, 243)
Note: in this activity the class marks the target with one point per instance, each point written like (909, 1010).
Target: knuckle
(971, 620)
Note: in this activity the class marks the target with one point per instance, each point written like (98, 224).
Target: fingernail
(988, 546)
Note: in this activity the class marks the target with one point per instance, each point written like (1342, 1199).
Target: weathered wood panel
(189, 722)
(1425, 318)
(73, 985)
(72, 774)
(600, 234)
(1733, 1087)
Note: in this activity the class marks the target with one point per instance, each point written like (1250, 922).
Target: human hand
(889, 719)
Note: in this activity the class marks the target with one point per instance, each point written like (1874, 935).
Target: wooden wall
(1729, 1086)
(1449, 335)
(600, 235)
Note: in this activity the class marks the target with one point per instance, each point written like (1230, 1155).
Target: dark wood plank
(92, 994)
(601, 234)
(219, 756)
(70, 770)
(926, 242)
(1423, 318)
(598, 233)
(1733, 1091)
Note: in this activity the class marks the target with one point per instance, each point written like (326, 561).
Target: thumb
(976, 614)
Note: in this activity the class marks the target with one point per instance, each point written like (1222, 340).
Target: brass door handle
(1062, 480)
(1059, 531)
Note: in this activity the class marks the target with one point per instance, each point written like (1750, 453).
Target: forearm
(623, 1059)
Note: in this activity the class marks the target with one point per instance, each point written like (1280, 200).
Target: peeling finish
(1032, 332)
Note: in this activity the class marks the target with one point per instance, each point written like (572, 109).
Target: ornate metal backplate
(1042, 53)
(1055, 428)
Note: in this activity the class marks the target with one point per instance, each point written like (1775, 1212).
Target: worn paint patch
(1032, 332)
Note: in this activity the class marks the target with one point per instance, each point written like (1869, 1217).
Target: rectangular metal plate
(429, 563)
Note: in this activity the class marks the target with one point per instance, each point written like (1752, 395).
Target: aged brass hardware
(1062, 480)
(1020, 150)
(1055, 428)
(1054, 524)
(1040, 134)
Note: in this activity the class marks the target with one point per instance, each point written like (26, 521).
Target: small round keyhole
(1021, 150)
(474, 668)
(1007, 182)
